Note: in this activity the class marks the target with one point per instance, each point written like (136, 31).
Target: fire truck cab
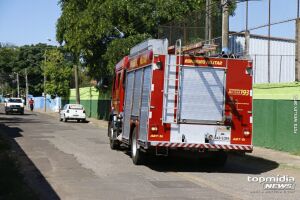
(166, 99)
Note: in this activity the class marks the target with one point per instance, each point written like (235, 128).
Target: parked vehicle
(72, 112)
(169, 99)
(14, 105)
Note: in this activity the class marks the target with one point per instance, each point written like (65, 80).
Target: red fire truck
(169, 99)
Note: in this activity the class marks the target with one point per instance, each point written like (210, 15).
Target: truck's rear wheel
(136, 154)
(114, 144)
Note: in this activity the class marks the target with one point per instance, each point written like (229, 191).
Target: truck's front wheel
(114, 144)
(136, 154)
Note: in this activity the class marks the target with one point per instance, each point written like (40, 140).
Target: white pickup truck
(14, 105)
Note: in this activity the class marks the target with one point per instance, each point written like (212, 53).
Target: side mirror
(249, 71)
(101, 85)
(159, 64)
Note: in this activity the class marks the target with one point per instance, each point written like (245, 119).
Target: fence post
(280, 69)
(297, 59)
(254, 69)
(247, 42)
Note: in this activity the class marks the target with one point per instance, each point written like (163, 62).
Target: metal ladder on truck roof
(176, 93)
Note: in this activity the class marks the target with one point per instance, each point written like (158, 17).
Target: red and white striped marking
(204, 146)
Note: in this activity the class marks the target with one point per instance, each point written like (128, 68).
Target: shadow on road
(186, 162)
(32, 175)
(246, 164)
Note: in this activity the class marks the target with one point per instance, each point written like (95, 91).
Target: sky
(28, 21)
(258, 15)
(33, 21)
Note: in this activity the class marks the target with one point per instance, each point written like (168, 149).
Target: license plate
(75, 115)
(222, 136)
(15, 109)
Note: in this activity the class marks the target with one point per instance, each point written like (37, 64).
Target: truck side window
(118, 80)
(124, 79)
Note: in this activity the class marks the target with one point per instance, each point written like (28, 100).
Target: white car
(14, 105)
(72, 112)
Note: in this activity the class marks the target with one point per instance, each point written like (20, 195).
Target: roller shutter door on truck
(202, 93)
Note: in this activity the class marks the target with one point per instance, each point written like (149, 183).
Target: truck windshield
(15, 101)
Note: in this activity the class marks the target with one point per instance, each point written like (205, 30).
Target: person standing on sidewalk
(31, 104)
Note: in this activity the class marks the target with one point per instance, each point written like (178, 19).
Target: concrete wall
(52, 105)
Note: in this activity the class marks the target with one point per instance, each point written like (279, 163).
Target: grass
(12, 185)
(296, 153)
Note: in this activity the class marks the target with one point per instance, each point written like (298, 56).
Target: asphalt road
(74, 161)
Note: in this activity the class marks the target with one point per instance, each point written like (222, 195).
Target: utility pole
(225, 24)
(298, 8)
(76, 84)
(247, 33)
(26, 85)
(269, 43)
(208, 22)
(18, 85)
(45, 98)
(297, 58)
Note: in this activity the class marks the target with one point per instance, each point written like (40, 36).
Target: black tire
(114, 144)
(78, 120)
(219, 159)
(60, 119)
(65, 119)
(22, 113)
(6, 112)
(138, 157)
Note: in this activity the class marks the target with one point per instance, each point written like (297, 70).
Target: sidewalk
(285, 159)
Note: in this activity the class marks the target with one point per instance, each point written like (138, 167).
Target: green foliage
(120, 47)
(16, 60)
(32, 57)
(58, 73)
(8, 62)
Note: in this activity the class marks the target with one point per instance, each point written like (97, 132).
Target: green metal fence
(276, 124)
(96, 104)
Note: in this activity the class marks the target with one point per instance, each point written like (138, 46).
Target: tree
(88, 27)
(15, 60)
(58, 73)
(8, 62)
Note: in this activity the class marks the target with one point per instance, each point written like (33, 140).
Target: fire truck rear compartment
(194, 104)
